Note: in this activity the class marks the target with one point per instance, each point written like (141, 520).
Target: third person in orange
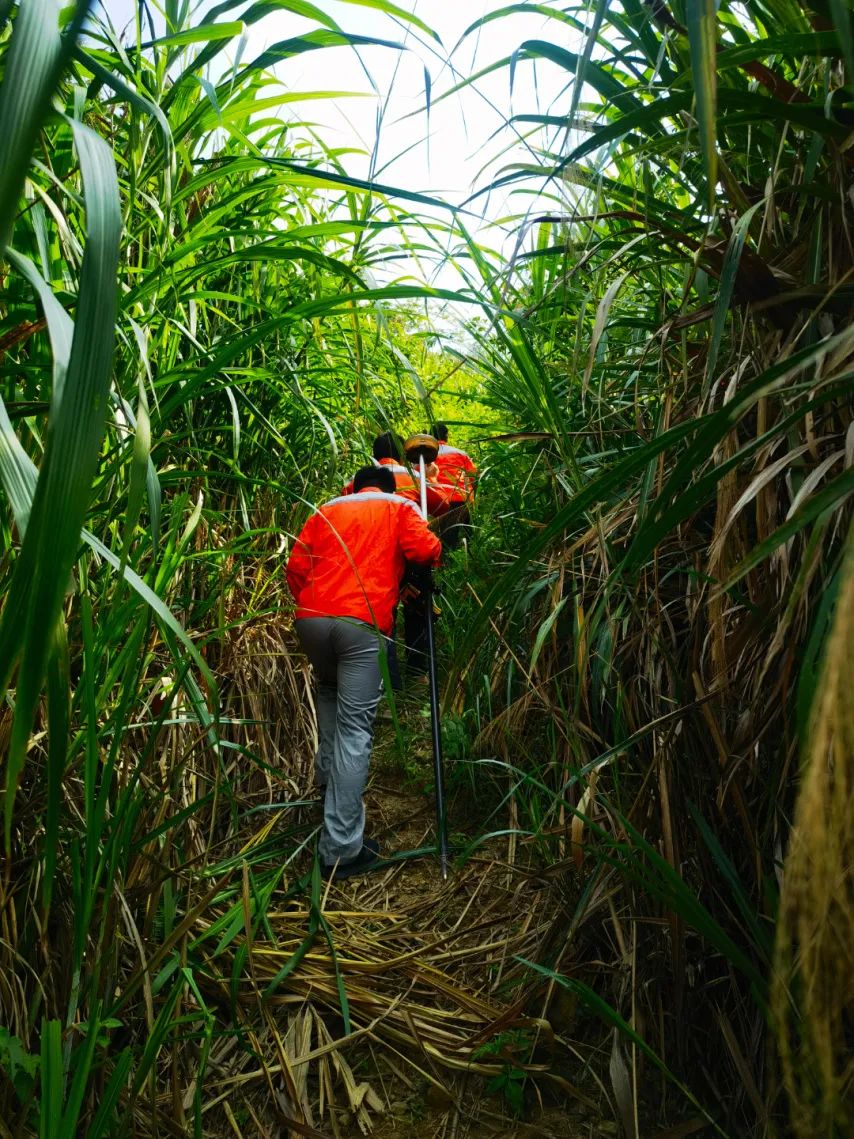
(457, 474)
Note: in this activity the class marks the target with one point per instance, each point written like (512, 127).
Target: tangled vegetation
(204, 317)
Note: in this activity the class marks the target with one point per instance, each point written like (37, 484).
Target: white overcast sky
(450, 163)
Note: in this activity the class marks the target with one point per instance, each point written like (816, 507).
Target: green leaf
(18, 1065)
(813, 655)
(611, 1017)
(17, 472)
(32, 67)
(103, 1122)
(139, 471)
(729, 273)
(60, 326)
(831, 496)
(75, 432)
(311, 41)
(127, 92)
(396, 13)
(702, 36)
(58, 724)
(204, 33)
(841, 11)
(50, 1098)
(83, 1071)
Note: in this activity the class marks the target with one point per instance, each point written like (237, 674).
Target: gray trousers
(345, 655)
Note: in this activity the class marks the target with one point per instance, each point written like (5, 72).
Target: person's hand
(432, 472)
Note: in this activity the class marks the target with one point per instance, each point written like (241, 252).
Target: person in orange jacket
(344, 572)
(458, 474)
(388, 454)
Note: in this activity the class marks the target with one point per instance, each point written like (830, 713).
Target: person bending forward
(344, 572)
(388, 453)
(458, 474)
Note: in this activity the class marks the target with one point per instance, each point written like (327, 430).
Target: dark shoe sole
(366, 860)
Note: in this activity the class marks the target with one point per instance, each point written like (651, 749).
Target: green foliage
(18, 1065)
(201, 327)
(513, 1049)
(672, 382)
(193, 349)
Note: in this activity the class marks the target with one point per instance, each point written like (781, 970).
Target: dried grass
(813, 991)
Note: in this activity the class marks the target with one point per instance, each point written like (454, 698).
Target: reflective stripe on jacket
(349, 557)
(408, 486)
(456, 470)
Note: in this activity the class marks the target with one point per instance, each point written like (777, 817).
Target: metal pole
(423, 474)
(438, 773)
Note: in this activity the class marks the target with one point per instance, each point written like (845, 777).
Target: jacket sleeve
(417, 540)
(299, 563)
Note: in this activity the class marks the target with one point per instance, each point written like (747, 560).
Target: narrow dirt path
(456, 1049)
(397, 1004)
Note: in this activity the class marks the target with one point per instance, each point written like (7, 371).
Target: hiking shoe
(367, 859)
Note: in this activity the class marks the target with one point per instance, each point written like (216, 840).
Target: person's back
(388, 453)
(350, 556)
(456, 468)
(458, 476)
(344, 572)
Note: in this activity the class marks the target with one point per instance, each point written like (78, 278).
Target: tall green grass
(187, 321)
(199, 330)
(671, 495)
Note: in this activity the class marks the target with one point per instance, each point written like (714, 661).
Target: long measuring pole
(438, 771)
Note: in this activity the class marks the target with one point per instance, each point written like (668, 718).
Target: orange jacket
(349, 557)
(409, 486)
(457, 471)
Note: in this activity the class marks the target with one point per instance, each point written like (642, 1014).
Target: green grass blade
(590, 42)
(317, 912)
(398, 13)
(841, 12)
(51, 1095)
(58, 724)
(760, 933)
(17, 472)
(155, 1040)
(702, 19)
(32, 68)
(139, 474)
(204, 33)
(611, 1017)
(729, 272)
(19, 477)
(60, 326)
(128, 93)
(83, 1061)
(71, 456)
(104, 1119)
(813, 656)
(834, 495)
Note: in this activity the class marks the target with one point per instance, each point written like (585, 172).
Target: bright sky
(447, 156)
(458, 126)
